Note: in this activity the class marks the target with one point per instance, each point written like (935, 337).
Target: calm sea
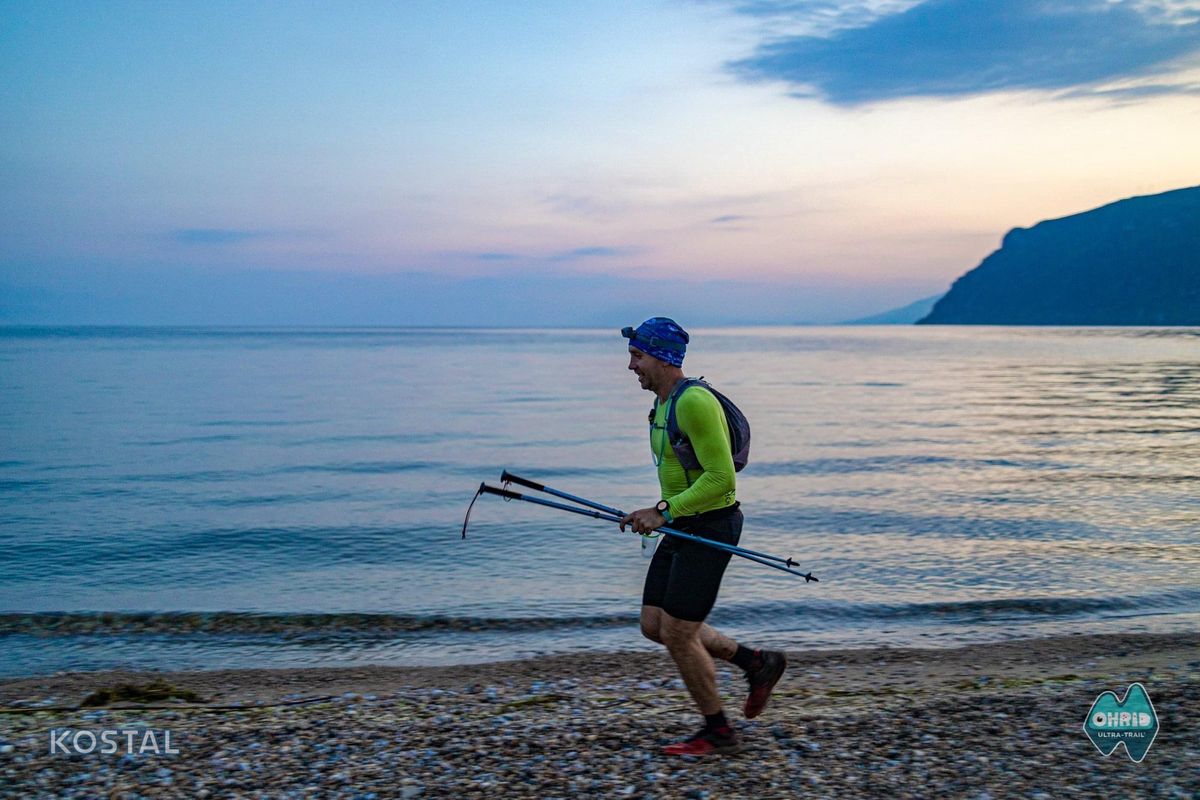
(189, 498)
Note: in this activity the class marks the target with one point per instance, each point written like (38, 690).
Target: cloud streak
(958, 48)
(594, 252)
(574, 254)
(1123, 94)
(216, 236)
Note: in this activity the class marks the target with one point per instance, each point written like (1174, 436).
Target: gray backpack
(739, 428)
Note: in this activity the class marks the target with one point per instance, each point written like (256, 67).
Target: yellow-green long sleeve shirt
(702, 420)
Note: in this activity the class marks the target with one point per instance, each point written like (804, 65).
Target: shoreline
(1001, 718)
(267, 684)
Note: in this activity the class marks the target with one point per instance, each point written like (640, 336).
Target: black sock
(744, 658)
(717, 720)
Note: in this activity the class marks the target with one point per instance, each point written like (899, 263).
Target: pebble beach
(981, 721)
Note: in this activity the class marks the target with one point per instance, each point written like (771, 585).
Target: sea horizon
(701, 326)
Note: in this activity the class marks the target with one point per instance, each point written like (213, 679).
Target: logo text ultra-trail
(1130, 721)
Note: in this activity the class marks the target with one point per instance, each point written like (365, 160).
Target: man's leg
(763, 668)
(699, 674)
(681, 590)
(716, 643)
(682, 638)
(651, 623)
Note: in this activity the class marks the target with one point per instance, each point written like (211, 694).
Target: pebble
(600, 740)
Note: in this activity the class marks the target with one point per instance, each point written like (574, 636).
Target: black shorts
(684, 577)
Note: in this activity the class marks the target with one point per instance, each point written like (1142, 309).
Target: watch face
(662, 506)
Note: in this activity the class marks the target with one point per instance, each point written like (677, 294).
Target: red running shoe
(762, 679)
(708, 742)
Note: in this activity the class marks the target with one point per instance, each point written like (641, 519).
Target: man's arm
(702, 419)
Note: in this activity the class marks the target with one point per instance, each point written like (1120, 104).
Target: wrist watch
(664, 508)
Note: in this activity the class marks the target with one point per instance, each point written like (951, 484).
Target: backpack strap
(674, 434)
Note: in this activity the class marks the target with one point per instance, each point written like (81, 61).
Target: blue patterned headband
(660, 337)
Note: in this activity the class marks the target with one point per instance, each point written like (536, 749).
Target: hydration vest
(739, 428)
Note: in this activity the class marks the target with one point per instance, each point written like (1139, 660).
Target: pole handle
(508, 477)
(505, 493)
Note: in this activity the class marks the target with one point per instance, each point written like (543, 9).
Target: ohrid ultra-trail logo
(1130, 721)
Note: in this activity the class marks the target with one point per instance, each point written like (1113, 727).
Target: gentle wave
(283, 545)
(839, 466)
(232, 622)
(971, 610)
(300, 624)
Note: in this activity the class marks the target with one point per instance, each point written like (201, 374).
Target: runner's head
(656, 351)
(660, 337)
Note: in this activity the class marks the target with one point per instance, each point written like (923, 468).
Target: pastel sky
(562, 163)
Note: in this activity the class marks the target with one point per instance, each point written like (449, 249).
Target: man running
(684, 577)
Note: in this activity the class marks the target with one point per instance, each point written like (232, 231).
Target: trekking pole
(596, 514)
(508, 477)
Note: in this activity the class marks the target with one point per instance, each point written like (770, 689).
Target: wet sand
(982, 721)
